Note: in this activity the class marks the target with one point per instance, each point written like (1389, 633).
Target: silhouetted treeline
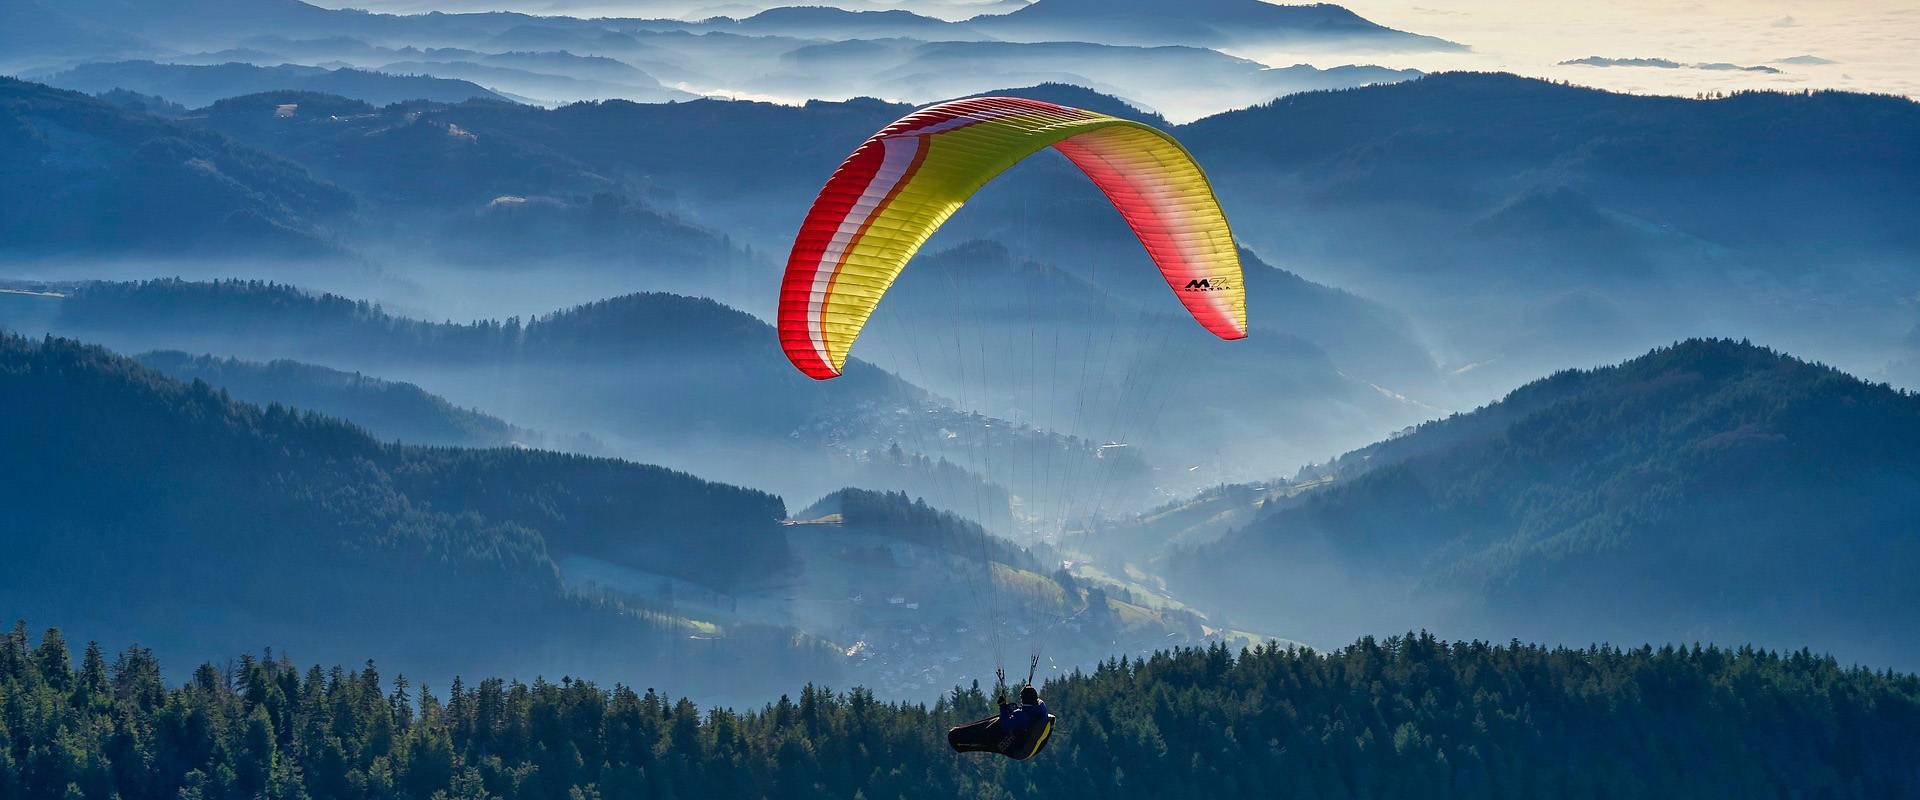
(388, 409)
(142, 103)
(1407, 717)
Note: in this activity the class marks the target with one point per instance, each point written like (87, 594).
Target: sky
(1874, 44)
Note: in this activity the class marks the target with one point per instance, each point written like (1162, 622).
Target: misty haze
(654, 398)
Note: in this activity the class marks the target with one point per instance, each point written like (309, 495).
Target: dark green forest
(1405, 717)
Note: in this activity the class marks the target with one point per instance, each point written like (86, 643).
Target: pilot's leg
(982, 736)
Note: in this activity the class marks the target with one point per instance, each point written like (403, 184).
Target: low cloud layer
(1877, 41)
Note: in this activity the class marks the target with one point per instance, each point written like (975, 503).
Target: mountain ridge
(321, 532)
(196, 86)
(1709, 489)
(1206, 23)
(86, 176)
(392, 410)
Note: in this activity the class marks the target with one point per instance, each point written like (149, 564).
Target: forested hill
(726, 362)
(909, 520)
(1708, 490)
(203, 522)
(1408, 717)
(481, 194)
(85, 175)
(732, 401)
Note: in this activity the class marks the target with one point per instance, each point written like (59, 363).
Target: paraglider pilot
(1016, 719)
(1018, 732)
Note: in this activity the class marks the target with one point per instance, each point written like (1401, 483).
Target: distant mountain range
(1580, 225)
(822, 22)
(1122, 49)
(1202, 23)
(1186, 80)
(1195, 23)
(538, 86)
(755, 187)
(406, 177)
(87, 176)
(201, 85)
(1560, 236)
(42, 31)
(513, 184)
(1709, 490)
(1587, 224)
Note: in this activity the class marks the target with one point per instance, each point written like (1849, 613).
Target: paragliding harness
(990, 736)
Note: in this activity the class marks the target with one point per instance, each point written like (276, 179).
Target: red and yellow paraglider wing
(1166, 199)
(902, 184)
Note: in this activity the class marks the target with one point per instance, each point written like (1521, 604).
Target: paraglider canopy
(904, 182)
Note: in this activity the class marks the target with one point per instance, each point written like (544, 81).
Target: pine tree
(53, 661)
(91, 686)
